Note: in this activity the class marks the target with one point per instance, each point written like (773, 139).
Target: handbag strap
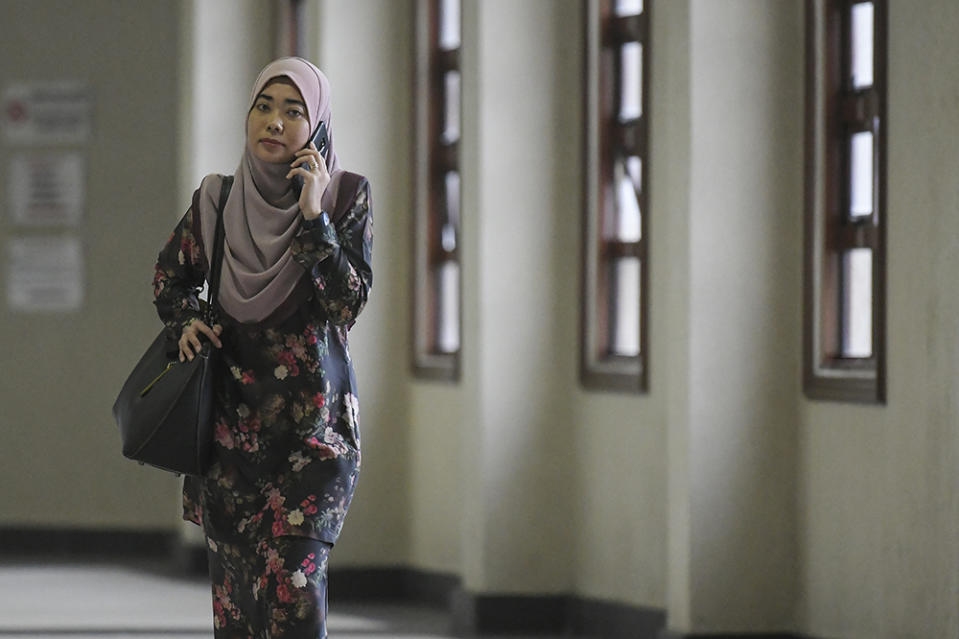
(216, 262)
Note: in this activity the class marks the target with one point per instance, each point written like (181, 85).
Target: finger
(321, 165)
(311, 153)
(310, 150)
(191, 328)
(197, 346)
(307, 162)
(300, 171)
(184, 349)
(217, 329)
(211, 334)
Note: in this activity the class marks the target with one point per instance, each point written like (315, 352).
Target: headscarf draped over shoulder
(262, 216)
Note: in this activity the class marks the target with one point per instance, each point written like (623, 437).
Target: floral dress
(287, 442)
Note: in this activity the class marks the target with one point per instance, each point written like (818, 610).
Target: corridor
(120, 601)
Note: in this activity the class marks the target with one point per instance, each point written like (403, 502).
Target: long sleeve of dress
(338, 257)
(178, 278)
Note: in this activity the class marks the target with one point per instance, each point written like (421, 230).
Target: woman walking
(296, 272)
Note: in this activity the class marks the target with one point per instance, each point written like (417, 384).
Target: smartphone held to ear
(320, 140)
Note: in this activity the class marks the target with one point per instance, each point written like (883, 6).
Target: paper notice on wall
(44, 274)
(46, 189)
(46, 113)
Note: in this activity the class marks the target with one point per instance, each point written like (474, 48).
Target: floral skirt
(275, 589)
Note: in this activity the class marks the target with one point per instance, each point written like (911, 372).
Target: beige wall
(226, 47)
(365, 51)
(744, 312)
(60, 463)
(722, 495)
(620, 438)
(521, 442)
(878, 484)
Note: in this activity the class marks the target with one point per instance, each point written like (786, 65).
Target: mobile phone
(321, 141)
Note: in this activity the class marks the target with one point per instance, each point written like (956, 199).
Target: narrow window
(437, 328)
(845, 200)
(615, 273)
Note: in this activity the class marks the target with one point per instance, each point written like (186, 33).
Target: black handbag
(165, 409)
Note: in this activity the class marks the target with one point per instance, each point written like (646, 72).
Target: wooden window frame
(835, 110)
(605, 137)
(432, 159)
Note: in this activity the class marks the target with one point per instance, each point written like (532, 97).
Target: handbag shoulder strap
(216, 262)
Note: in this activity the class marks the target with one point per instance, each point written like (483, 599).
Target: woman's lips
(271, 143)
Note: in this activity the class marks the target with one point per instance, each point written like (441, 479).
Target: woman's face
(277, 127)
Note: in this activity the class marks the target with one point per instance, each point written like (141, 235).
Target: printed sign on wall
(46, 113)
(44, 274)
(46, 189)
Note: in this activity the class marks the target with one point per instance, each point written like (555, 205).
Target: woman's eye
(293, 113)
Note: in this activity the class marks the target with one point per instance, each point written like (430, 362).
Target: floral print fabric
(274, 590)
(286, 415)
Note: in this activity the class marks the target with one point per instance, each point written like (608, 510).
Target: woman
(295, 274)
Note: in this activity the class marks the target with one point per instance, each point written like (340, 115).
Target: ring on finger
(313, 165)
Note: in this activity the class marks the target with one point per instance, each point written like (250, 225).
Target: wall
(736, 335)
(878, 483)
(745, 310)
(60, 464)
(226, 47)
(522, 442)
(365, 49)
(722, 496)
(671, 63)
(621, 438)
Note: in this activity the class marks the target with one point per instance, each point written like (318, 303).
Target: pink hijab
(262, 216)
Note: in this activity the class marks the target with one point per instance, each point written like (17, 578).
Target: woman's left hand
(310, 165)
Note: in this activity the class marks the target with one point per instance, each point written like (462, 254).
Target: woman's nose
(274, 126)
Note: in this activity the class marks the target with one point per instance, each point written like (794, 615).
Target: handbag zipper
(157, 378)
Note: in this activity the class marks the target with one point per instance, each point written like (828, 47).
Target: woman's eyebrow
(265, 96)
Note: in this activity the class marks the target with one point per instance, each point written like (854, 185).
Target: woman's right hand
(190, 343)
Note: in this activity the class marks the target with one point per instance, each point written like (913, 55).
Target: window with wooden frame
(615, 299)
(845, 252)
(437, 328)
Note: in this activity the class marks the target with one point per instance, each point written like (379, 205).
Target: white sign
(47, 113)
(46, 189)
(45, 274)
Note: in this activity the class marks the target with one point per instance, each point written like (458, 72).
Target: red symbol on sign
(16, 111)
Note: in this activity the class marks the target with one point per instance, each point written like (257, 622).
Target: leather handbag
(165, 409)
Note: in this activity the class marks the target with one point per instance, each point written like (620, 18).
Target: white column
(732, 560)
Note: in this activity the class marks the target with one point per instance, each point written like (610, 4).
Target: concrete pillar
(732, 564)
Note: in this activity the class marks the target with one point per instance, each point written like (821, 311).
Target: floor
(62, 600)
(102, 600)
